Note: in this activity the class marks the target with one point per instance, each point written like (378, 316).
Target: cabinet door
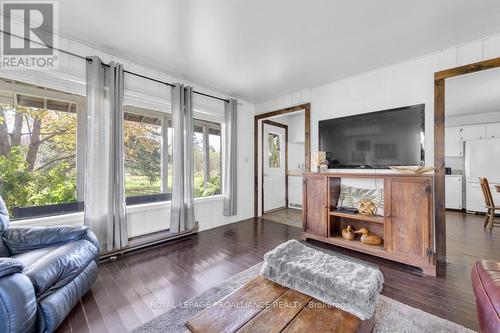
(453, 144)
(315, 205)
(473, 133)
(493, 131)
(411, 209)
(453, 192)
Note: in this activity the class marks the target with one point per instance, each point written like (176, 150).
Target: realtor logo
(28, 40)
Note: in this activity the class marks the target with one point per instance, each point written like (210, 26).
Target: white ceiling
(473, 94)
(259, 49)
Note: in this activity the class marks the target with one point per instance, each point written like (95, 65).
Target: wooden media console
(406, 226)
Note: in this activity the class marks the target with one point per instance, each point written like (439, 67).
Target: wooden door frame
(273, 123)
(307, 143)
(439, 141)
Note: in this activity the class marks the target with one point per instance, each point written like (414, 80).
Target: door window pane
(273, 150)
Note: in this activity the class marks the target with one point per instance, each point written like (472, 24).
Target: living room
(209, 166)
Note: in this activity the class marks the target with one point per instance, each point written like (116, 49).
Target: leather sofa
(486, 285)
(44, 271)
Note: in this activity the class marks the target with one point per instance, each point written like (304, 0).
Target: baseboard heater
(136, 243)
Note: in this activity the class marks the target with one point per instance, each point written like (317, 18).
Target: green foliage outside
(37, 156)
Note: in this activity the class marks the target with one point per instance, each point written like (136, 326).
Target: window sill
(167, 204)
(77, 218)
(62, 219)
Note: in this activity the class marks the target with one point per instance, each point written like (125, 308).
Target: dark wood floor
(128, 291)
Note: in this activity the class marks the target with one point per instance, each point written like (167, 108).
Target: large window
(38, 149)
(42, 152)
(145, 156)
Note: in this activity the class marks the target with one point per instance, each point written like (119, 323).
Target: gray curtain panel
(229, 182)
(182, 209)
(105, 208)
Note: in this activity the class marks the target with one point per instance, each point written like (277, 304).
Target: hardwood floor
(141, 285)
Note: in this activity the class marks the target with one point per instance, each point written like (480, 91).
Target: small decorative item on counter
(367, 238)
(349, 233)
(323, 166)
(316, 158)
(367, 207)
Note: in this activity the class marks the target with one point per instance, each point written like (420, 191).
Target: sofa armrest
(10, 266)
(91, 237)
(17, 298)
(23, 239)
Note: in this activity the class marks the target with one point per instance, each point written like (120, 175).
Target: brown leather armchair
(486, 285)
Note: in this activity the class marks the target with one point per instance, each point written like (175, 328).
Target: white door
(274, 167)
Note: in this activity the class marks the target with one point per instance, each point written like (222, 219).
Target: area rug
(390, 316)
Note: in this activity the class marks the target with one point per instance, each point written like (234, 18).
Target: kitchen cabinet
(473, 132)
(493, 131)
(454, 146)
(453, 192)
(295, 191)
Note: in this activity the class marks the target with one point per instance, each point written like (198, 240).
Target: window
(142, 141)
(42, 151)
(144, 154)
(273, 150)
(207, 158)
(38, 150)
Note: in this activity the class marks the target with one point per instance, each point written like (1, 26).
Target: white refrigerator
(482, 159)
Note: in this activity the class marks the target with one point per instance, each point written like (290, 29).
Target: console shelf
(359, 217)
(406, 227)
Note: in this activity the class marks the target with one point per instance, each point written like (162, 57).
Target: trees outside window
(37, 151)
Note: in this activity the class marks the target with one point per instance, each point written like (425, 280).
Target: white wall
(406, 83)
(70, 77)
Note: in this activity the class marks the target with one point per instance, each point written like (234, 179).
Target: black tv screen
(379, 139)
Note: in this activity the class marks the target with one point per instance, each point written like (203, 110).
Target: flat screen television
(378, 140)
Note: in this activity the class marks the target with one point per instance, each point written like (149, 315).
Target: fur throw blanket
(348, 285)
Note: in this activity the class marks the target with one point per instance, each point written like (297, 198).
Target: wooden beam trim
(466, 69)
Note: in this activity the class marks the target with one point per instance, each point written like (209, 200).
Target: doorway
(282, 155)
(443, 138)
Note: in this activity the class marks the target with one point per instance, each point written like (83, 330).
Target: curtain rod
(128, 72)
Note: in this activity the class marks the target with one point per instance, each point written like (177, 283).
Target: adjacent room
(249, 166)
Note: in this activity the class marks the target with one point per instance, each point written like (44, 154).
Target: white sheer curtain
(229, 183)
(105, 208)
(182, 209)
